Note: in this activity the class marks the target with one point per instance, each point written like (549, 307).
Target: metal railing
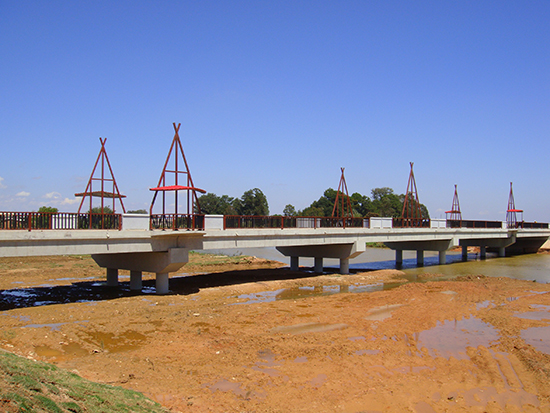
(60, 220)
(254, 221)
(473, 224)
(531, 225)
(177, 221)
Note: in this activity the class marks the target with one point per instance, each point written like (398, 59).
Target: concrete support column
(294, 263)
(502, 252)
(442, 257)
(464, 253)
(483, 252)
(112, 277)
(344, 265)
(136, 283)
(398, 258)
(419, 258)
(161, 283)
(318, 266)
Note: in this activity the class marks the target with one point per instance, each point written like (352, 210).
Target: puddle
(538, 338)
(127, 341)
(67, 351)
(534, 315)
(308, 328)
(381, 313)
(302, 359)
(53, 326)
(267, 363)
(484, 304)
(308, 291)
(451, 338)
(225, 386)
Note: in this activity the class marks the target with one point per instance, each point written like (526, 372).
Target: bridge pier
(398, 258)
(344, 265)
(112, 277)
(162, 283)
(294, 263)
(464, 253)
(318, 252)
(441, 246)
(136, 281)
(419, 258)
(318, 264)
(442, 257)
(482, 252)
(160, 263)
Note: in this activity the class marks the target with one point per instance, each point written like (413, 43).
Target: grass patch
(32, 386)
(376, 245)
(201, 258)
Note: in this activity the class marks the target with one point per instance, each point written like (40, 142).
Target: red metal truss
(411, 213)
(511, 212)
(342, 203)
(177, 184)
(103, 180)
(454, 214)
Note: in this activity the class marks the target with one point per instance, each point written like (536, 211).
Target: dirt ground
(246, 336)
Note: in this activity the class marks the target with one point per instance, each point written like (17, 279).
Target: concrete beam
(157, 262)
(429, 245)
(488, 242)
(351, 250)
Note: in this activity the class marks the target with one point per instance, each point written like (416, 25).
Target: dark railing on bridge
(254, 221)
(473, 224)
(532, 225)
(60, 220)
(177, 221)
(411, 223)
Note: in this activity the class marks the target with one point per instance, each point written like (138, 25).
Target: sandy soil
(268, 340)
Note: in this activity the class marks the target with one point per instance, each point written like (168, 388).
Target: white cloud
(53, 195)
(2, 186)
(23, 194)
(68, 201)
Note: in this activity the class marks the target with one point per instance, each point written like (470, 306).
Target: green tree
(97, 210)
(217, 205)
(49, 209)
(289, 211)
(253, 202)
(138, 211)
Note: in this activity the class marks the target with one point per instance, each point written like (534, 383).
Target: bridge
(144, 243)
(160, 242)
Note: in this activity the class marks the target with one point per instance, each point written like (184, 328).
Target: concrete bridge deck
(139, 249)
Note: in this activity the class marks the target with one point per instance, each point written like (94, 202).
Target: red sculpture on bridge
(342, 204)
(102, 179)
(511, 217)
(177, 220)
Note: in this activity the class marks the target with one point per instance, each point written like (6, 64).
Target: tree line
(383, 202)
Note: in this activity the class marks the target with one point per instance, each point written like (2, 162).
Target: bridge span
(137, 248)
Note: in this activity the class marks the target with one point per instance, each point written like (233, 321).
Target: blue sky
(279, 95)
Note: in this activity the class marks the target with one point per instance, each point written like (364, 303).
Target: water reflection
(525, 267)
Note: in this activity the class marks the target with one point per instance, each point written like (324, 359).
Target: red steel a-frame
(177, 184)
(511, 212)
(105, 178)
(342, 203)
(411, 214)
(454, 214)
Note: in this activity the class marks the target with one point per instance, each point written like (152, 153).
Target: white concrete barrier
(135, 222)
(213, 222)
(381, 222)
(438, 223)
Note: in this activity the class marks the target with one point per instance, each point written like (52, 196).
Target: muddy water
(524, 267)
